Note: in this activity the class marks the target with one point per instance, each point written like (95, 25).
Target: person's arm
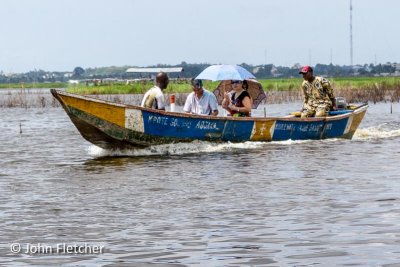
(188, 104)
(144, 99)
(213, 105)
(305, 94)
(329, 91)
(304, 88)
(226, 102)
(160, 102)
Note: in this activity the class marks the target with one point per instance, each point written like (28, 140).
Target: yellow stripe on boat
(262, 130)
(357, 118)
(110, 113)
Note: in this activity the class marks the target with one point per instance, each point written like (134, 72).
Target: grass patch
(364, 82)
(278, 84)
(134, 88)
(337, 83)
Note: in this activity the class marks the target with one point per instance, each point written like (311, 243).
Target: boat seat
(339, 112)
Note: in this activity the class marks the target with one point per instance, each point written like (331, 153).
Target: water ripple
(200, 204)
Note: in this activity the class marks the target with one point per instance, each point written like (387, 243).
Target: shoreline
(41, 98)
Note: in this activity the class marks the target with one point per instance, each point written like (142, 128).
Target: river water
(307, 203)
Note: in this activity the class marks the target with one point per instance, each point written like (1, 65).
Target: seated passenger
(318, 94)
(154, 98)
(238, 102)
(201, 101)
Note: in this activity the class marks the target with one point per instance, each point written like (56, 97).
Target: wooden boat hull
(110, 125)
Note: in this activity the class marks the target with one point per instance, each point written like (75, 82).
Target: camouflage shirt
(318, 92)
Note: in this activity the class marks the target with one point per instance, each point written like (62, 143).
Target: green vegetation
(364, 82)
(276, 84)
(268, 85)
(337, 83)
(133, 88)
(281, 84)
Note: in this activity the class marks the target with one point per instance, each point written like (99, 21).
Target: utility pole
(351, 33)
(265, 56)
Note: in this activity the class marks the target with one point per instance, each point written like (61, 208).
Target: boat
(118, 126)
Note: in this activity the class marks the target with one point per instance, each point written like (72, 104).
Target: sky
(61, 35)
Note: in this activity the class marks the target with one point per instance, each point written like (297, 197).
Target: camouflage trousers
(319, 110)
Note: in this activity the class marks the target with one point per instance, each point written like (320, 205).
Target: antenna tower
(351, 32)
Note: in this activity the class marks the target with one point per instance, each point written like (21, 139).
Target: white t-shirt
(154, 98)
(203, 106)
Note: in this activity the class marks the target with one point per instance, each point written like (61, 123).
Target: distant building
(154, 70)
(275, 72)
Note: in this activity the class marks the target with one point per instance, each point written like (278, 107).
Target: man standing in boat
(318, 94)
(201, 101)
(154, 98)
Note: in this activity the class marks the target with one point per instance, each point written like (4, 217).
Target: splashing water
(184, 148)
(174, 149)
(384, 130)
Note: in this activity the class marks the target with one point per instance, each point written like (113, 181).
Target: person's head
(162, 80)
(245, 85)
(307, 72)
(197, 85)
(237, 85)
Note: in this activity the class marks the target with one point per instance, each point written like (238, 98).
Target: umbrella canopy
(255, 90)
(225, 72)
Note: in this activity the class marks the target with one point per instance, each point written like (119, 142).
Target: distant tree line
(192, 70)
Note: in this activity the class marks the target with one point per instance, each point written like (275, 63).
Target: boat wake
(183, 148)
(384, 130)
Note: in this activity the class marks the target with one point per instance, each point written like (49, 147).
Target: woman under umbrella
(238, 102)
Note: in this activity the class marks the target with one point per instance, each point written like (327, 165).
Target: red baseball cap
(305, 69)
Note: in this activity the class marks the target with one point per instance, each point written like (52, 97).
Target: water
(307, 203)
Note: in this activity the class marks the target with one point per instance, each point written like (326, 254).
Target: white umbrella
(225, 72)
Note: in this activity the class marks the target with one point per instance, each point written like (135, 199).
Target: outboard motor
(340, 103)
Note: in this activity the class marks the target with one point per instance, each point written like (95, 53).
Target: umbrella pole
(223, 97)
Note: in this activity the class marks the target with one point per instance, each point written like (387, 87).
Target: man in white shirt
(201, 101)
(154, 98)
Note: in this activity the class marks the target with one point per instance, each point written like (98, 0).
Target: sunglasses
(236, 82)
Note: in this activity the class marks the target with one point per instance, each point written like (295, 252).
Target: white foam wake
(184, 148)
(385, 130)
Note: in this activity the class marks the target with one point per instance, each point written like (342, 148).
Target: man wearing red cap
(318, 94)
